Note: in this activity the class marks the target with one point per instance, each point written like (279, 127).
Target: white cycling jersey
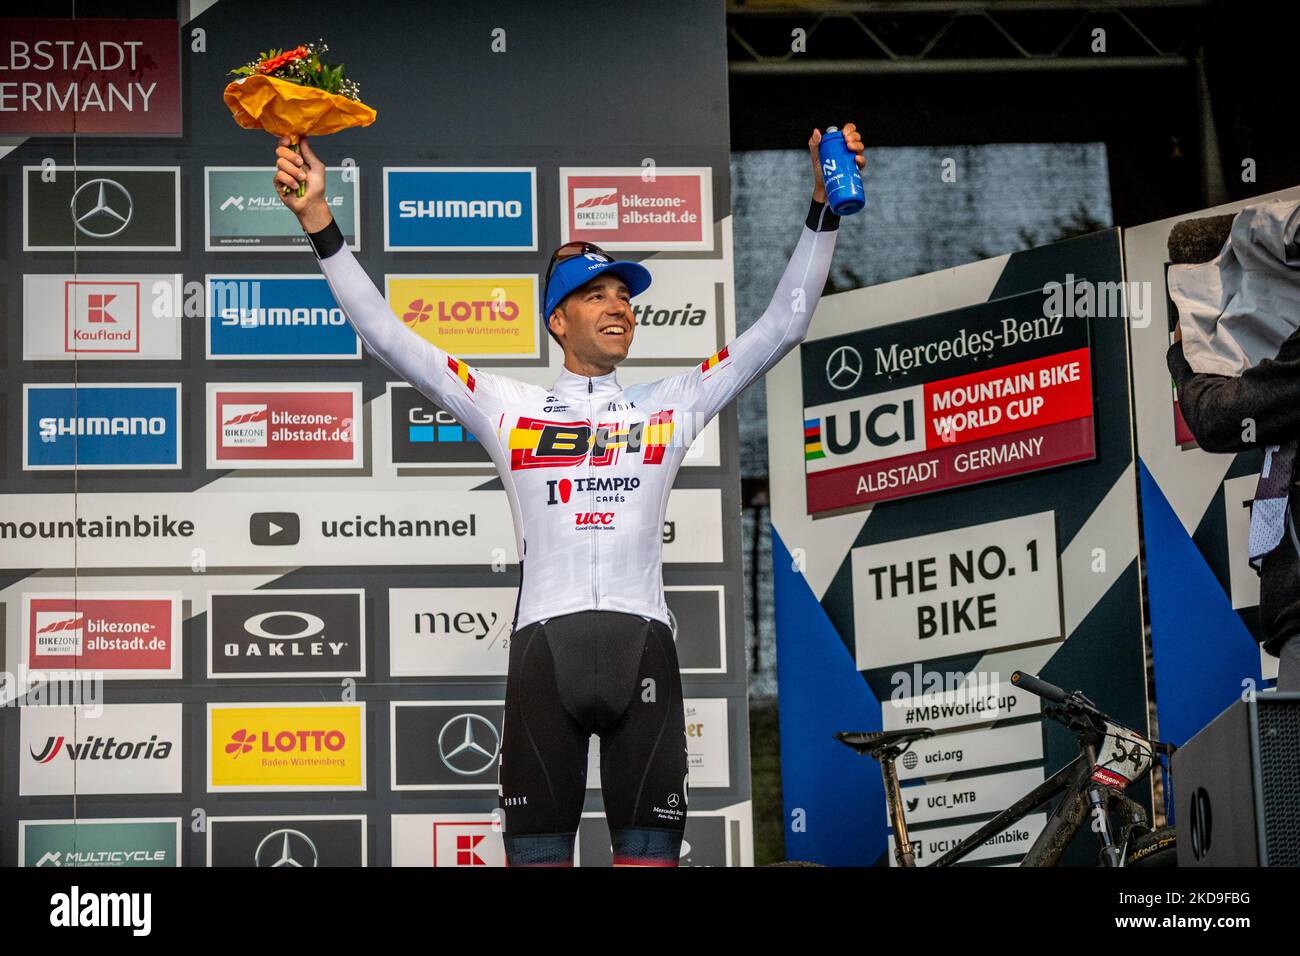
(587, 464)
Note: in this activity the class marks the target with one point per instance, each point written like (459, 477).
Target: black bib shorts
(593, 672)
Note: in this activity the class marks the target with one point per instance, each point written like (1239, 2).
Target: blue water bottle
(840, 172)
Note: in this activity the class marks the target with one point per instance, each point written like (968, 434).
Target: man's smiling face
(595, 322)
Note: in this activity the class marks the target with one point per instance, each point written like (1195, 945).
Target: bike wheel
(1157, 848)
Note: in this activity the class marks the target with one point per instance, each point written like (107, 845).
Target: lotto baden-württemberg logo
(113, 208)
(286, 633)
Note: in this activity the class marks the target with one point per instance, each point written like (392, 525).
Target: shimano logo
(460, 209)
(51, 428)
(278, 317)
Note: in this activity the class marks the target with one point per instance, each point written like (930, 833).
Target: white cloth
(1237, 309)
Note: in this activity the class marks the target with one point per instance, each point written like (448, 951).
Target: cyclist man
(587, 466)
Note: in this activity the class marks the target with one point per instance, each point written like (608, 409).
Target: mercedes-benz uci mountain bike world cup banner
(954, 500)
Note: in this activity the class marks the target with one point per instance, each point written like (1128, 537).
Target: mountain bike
(1111, 757)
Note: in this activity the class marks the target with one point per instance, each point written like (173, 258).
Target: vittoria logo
(537, 443)
(102, 748)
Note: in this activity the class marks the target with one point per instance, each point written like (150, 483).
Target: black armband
(820, 218)
(325, 242)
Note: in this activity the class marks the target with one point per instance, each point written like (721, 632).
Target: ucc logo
(594, 518)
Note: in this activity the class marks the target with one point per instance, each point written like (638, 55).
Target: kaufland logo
(244, 426)
(59, 632)
(103, 317)
(244, 741)
(595, 208)
(467, 849)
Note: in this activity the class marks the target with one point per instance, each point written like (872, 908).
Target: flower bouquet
(294, 93)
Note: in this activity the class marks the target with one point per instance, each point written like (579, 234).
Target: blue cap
(576, 271)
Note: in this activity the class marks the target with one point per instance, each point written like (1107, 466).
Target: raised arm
(474, 397)
(708, 387)
(784, 323)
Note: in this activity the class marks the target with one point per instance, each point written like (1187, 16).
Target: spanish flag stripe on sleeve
(713, 360)
(461, 371)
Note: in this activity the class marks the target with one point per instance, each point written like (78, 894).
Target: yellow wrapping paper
(290, 109)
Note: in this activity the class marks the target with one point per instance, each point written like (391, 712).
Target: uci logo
(882, 426)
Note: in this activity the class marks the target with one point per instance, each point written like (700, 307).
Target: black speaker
(1237, 787)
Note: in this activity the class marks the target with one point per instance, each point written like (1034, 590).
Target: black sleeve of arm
(326, 241)
(1217, 407)
(820, 218)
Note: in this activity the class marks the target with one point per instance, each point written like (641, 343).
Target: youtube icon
(273, 528)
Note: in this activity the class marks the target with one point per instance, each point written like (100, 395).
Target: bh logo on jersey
(537, 443)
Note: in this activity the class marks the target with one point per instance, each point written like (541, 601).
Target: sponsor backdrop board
(296, 574)
(954, 499)
(1195, 517)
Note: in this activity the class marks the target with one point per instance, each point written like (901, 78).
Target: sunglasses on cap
(571, 249)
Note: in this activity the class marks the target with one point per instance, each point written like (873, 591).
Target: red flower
(275, 62)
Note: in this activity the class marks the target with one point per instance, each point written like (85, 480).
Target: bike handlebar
(1040, 688)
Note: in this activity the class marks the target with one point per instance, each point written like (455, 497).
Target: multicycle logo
(445, 209)
(242, 213)
(286, 747)
(115, 842)
(106, 427)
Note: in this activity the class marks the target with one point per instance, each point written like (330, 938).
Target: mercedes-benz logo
(672, 799)
(104, 219)
(286, 848)
(468, 743)
(844, 368)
